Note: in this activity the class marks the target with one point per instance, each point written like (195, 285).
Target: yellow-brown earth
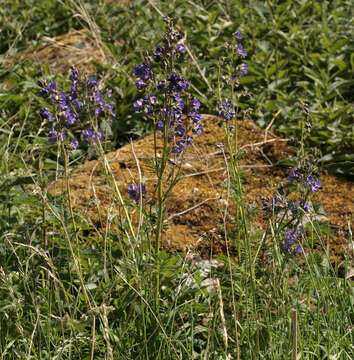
(196, 205)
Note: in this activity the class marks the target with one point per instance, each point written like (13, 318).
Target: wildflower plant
(84, 108)
(232, 68)
(80, 115)
(291, 206)
(165, 98)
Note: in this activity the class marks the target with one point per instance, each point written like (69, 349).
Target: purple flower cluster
(296, 206)
(243, 69)
(290, 240)
(148, 104)
(83, 98)
(297, 174)
(240, 51)
(174, 84)
(177, 113)
(171, 46)
(46, 114)
(313, 184)
(291, 211)
(143, 73)
(237, 35)
(135, 191)
(227, 109)
(92, 135)
(48, 91)
(280, 204)
(55, 136)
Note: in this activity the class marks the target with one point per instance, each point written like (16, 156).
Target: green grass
(296, 50)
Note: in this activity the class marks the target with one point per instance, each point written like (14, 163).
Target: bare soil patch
(75, 49)
(196, 204)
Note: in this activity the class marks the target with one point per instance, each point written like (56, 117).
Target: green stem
(76, 258)
(160, 213)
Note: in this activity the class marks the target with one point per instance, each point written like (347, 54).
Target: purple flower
(151, 99)
(162, 86)
(195, 117)
(139, 84)
(160, 126)
(98, 99)
(74, 144)
(295, 207)
(179, 103)
(237, 35)
(284, 249)
(176, 35)
(298, 249)
(98, 110)
(307, 207)
(61, 101)
(74, 75)
(180, 48)
(314, 185)
(290, 237)
(52, 86)
(70, 117)
(179, 146)
(159, 49)
(240, 51)
(299, 230)
(92, 82)
(109, 107)
(73, 93)
(243, 69)
(78, 104)
(51, 89)
(92, 135)
(157, 53)
(135, 191)
(275, 204)
(177, 83)
(143, 70)
(195, 104)
(189, 140)
(198, 129)
(138, 105)
(46, 114)
(179, 131)
(174, 116)
(295, 174)
(55, 136)
(226, 110)
(275, 199)
(149, 102)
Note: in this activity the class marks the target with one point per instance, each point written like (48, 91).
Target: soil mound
(197, 203)
(75, 49)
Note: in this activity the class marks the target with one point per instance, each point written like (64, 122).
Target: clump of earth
(196, 206)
